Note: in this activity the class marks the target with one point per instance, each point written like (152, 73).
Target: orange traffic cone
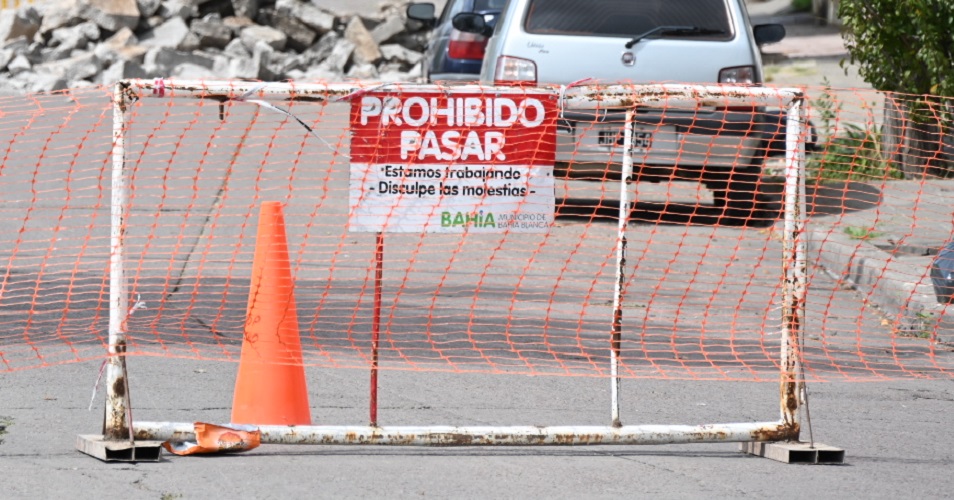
(270, 388)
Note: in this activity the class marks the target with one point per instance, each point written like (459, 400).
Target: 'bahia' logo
(479, 219)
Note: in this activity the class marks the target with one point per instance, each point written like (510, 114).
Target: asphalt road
(895, 434)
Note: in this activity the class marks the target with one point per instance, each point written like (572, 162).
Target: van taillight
(739, 75)
(466, 45)
(515, 71)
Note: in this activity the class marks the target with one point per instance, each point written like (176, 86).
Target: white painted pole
(617, 328)
(116, 423)
(794, 265)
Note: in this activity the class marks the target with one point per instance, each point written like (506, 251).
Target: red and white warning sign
(452, 161)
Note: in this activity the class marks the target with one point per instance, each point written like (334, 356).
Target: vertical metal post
(794, 265)
(623, 223)
(116, 423)
(376, 324)
(117, 443)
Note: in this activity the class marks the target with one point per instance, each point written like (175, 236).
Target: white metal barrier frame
(122, 437)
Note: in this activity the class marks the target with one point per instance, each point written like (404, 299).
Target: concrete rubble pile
(59, 44)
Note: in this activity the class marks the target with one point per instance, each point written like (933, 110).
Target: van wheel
(736, 192)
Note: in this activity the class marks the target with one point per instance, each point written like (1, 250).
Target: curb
(899, 289)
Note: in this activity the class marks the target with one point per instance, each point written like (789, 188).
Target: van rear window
(627, 17)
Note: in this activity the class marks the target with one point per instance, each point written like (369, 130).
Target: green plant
(906, 48)
(901, 46)
(925, 319)
(802, 5)
(4, 422)
(922, 326)
(861, 232)
(855, 154)
(852, 152)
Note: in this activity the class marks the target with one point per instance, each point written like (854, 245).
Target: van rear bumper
(690, 139)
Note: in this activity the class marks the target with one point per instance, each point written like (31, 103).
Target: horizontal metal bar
(576, 97)
(672, 95)
(232, 89)
(491, 435)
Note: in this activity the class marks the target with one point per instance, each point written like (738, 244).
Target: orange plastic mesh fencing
(703, 274)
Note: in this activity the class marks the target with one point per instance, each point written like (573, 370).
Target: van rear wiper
(674, 30)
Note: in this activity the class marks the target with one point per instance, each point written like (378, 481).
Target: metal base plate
(796, 452)
(119, 451)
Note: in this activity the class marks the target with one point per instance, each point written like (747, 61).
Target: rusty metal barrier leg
(793, 311)
(117, 442)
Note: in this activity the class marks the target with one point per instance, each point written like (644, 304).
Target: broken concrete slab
(121, 70)
(270, 36)
(365, 48)
(15, 23)
(210, 31)
(169, 34)
(300, 36)
(111, 15)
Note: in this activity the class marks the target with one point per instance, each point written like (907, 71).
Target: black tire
(736, 192)
(743, 190)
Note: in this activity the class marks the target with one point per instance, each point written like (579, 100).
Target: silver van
(541, 42)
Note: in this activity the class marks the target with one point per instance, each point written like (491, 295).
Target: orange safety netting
(702, 281)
